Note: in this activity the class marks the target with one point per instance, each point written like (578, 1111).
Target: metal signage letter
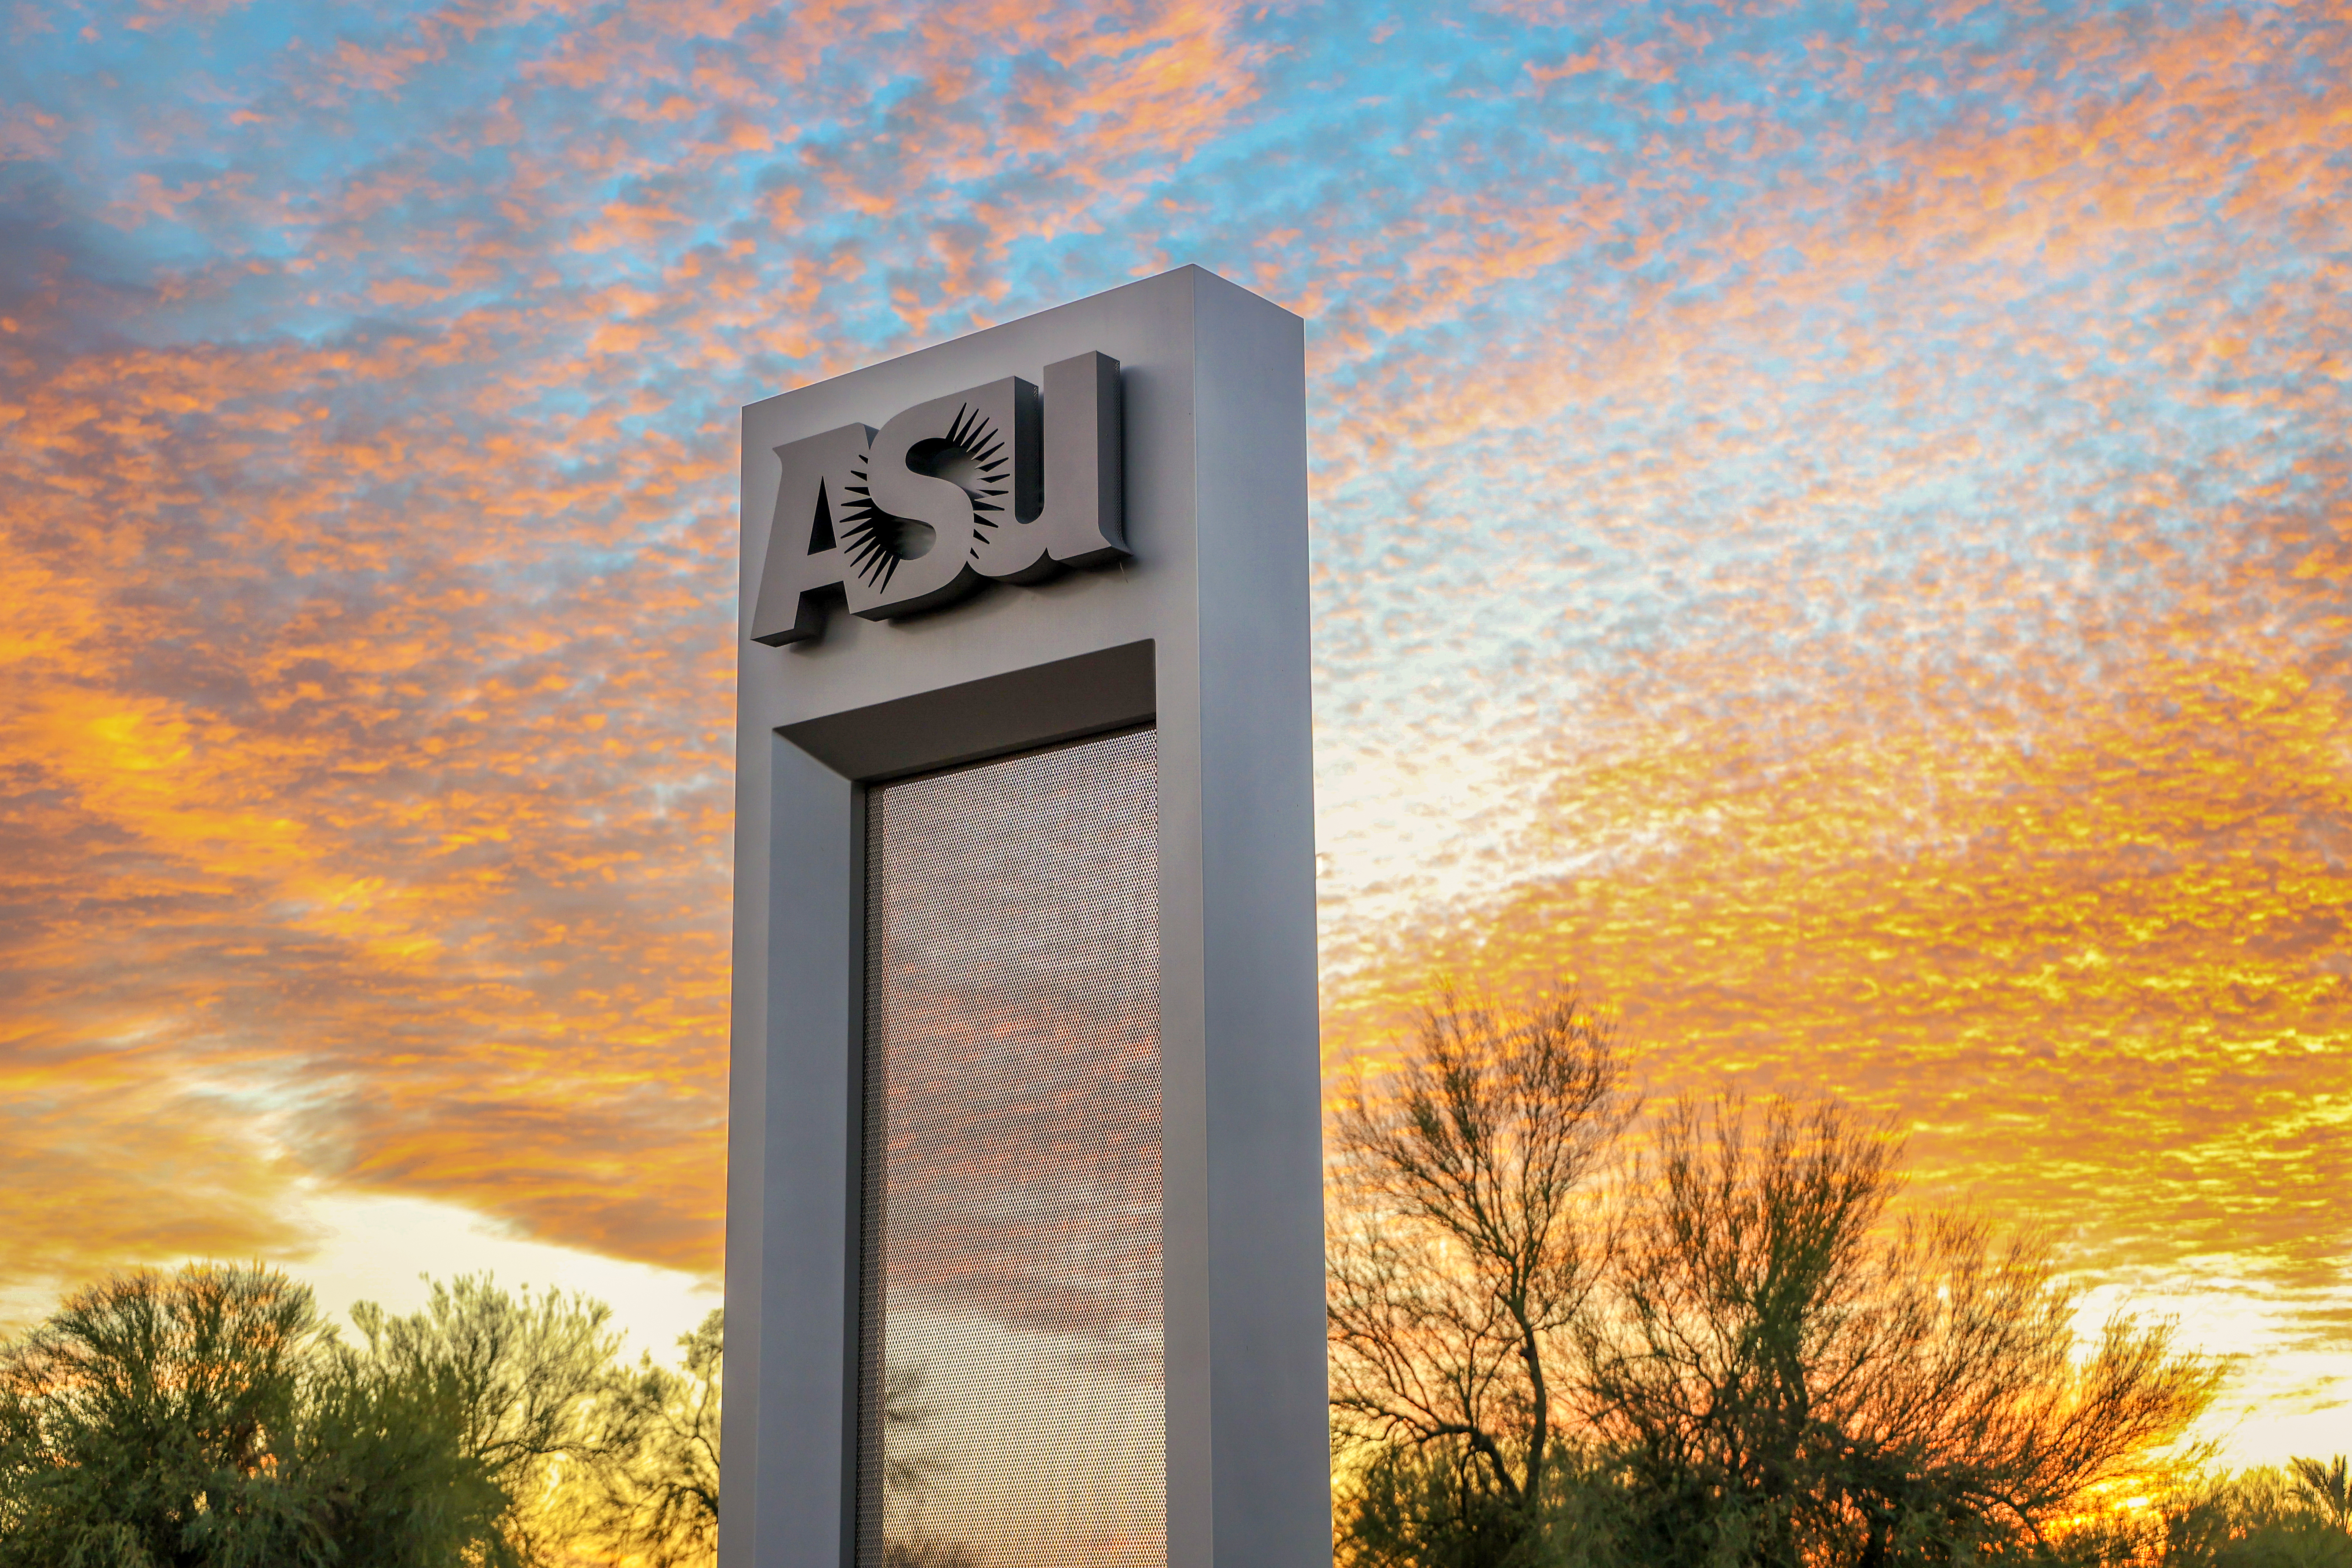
(803, 568)
(940, 474)
(1081, 522)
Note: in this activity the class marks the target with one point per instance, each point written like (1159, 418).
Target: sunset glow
(1832, 530)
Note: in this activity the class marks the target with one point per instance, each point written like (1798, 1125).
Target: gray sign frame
(1204, 630)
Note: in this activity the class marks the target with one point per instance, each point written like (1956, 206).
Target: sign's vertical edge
(789, 1262)
(856, 1117)
(746, 1076)
(1162, 464)
(1271, 1432)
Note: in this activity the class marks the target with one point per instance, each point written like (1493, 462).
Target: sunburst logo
(973, 456)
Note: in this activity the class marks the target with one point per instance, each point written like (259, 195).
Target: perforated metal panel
(1012, 1389)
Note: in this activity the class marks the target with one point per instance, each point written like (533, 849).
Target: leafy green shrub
(206, 1419)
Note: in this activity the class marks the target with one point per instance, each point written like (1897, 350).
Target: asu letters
(981, 485)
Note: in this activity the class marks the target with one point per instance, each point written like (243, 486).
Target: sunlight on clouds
(104, 1168)
(372, 1248)
(2290, 1397)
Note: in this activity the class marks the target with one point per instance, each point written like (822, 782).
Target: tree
(538, 1402)
(1785, 1379)
(2255, 1518)
(2325, 1489)
(141, 1422)
(390, 1479)
(1739, 1354)
(204, 1418)
(1463, 1245)
(909, 1472)
(659, 1499)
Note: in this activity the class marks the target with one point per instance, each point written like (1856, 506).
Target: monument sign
(1024, 1248)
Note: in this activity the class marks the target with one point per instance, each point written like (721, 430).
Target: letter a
(803, 570)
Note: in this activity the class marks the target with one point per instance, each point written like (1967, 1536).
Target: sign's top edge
(1191, 271)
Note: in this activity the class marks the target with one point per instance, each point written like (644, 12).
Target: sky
(1832, 530)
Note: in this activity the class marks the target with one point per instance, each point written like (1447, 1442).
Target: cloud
(369, 718)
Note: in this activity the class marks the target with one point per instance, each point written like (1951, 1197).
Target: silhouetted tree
(2326, 1487)
(1464, 1241)
(927, 1552)
(659, 1498)
(541, 1403)
(1739, 1358)
(909, 1472)
(2256, 1519)
(1784, 1379)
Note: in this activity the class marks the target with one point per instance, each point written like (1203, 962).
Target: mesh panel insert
(1012, 1408)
